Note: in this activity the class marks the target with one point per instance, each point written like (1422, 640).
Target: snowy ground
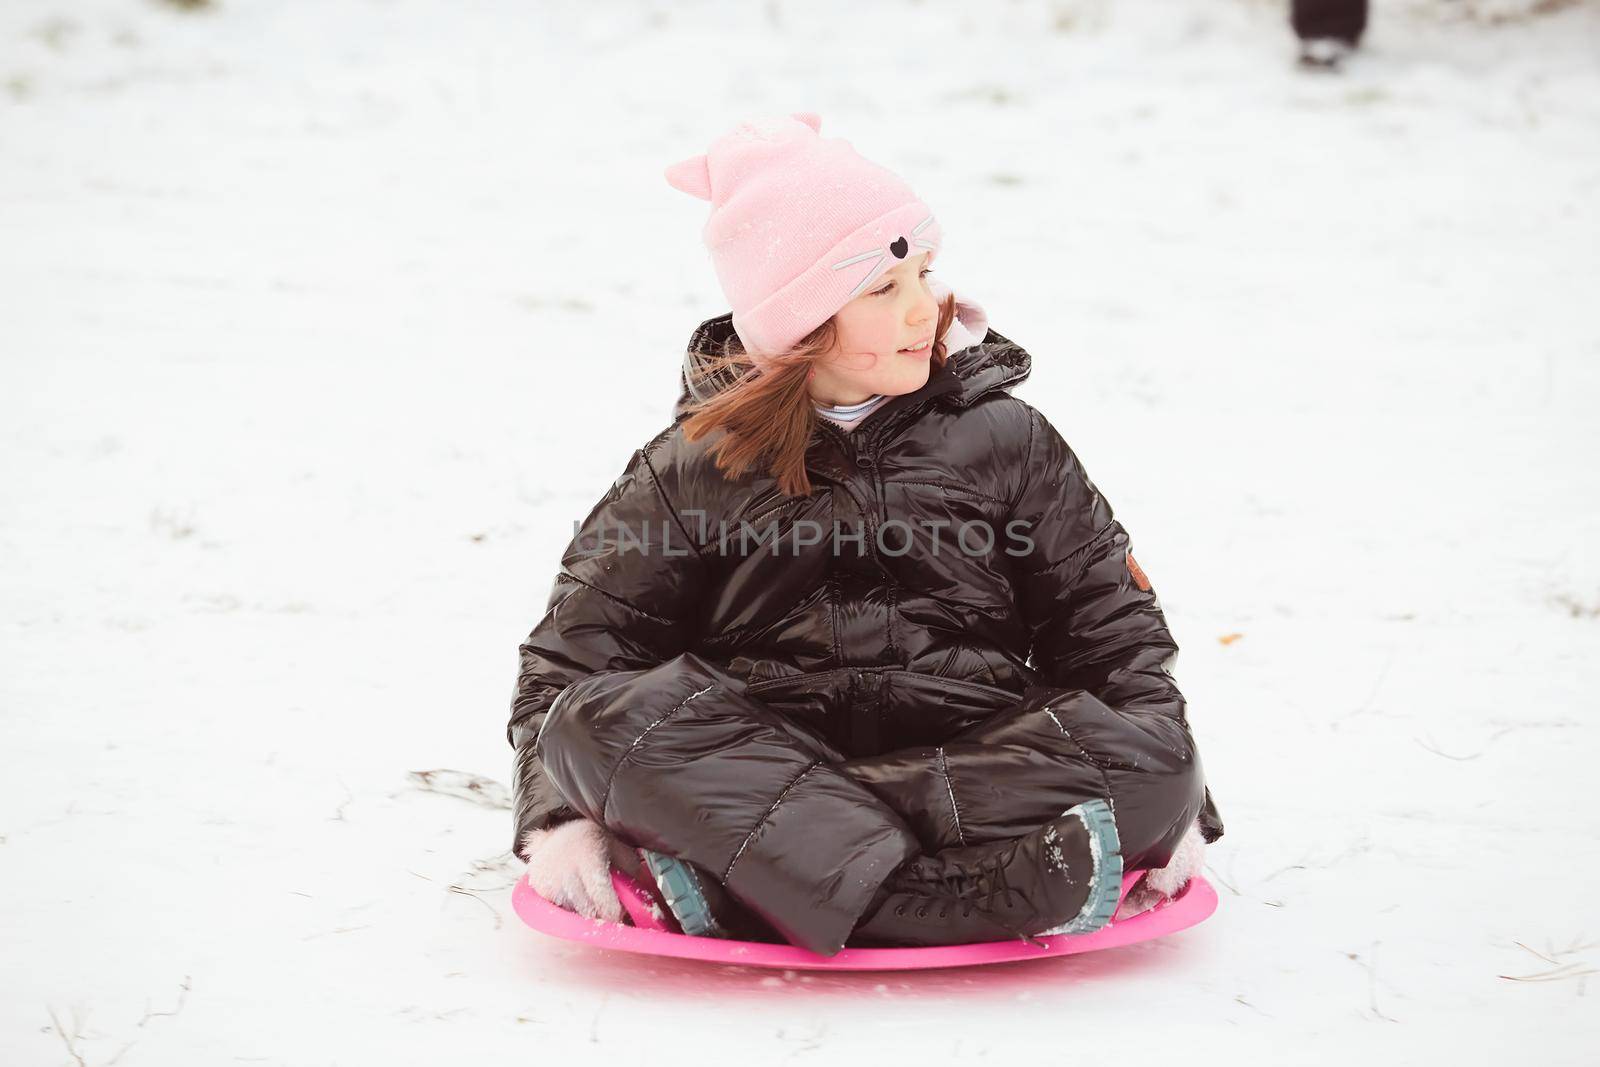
(294, 298)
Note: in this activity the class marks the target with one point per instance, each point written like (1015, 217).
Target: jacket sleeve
(1095, 621)
(624, 599)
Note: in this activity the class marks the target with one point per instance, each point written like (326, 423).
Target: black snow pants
(680, 758)
(1344, 19)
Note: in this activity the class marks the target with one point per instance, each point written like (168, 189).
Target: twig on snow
(67, 1039)
(1552, 956)
(471, 895)
(1372, 980)
(485, 792)
(183, 995)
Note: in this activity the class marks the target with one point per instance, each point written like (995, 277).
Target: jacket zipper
(866, 700)
(856, 674)
(789, 679)
(866, 458)
(860, 461)
(889, 419)
(870, 465)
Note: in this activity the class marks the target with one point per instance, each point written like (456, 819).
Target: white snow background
(320, 323)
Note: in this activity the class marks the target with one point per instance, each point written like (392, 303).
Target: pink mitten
(1160, 883)
(570, 866)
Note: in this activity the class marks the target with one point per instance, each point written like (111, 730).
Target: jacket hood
(978, 360)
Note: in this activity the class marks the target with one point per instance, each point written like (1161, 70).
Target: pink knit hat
(800, 226)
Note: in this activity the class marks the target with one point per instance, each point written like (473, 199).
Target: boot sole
(1105, 892)
(679, 884)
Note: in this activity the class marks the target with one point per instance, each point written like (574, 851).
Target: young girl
(854, 646)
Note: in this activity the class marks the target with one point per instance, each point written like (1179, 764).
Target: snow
(300, 304)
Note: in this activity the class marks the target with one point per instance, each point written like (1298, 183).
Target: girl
(854, 649)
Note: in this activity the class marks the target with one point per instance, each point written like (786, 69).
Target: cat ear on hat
(692, 176)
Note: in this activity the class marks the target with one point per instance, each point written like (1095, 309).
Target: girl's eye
(925, 272)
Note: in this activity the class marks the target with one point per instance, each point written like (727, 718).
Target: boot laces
(979, 885)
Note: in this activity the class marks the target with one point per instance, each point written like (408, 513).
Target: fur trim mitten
(1161, 883)
(570, 866)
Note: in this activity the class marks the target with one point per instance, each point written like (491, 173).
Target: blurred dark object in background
(1329, 30)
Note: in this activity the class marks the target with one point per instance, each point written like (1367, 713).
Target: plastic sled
(651, 934)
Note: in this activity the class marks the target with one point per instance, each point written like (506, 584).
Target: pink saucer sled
(652, 936)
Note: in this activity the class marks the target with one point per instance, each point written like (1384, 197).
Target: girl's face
(873, 330)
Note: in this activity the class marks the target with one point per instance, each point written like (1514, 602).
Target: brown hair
(768, 418)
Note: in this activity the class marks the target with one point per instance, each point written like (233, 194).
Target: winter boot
(700, 903)
(1063, 878)
(1325, 53)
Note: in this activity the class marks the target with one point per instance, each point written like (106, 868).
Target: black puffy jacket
(725, 656)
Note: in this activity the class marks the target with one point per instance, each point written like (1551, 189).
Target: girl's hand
(570, 866)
